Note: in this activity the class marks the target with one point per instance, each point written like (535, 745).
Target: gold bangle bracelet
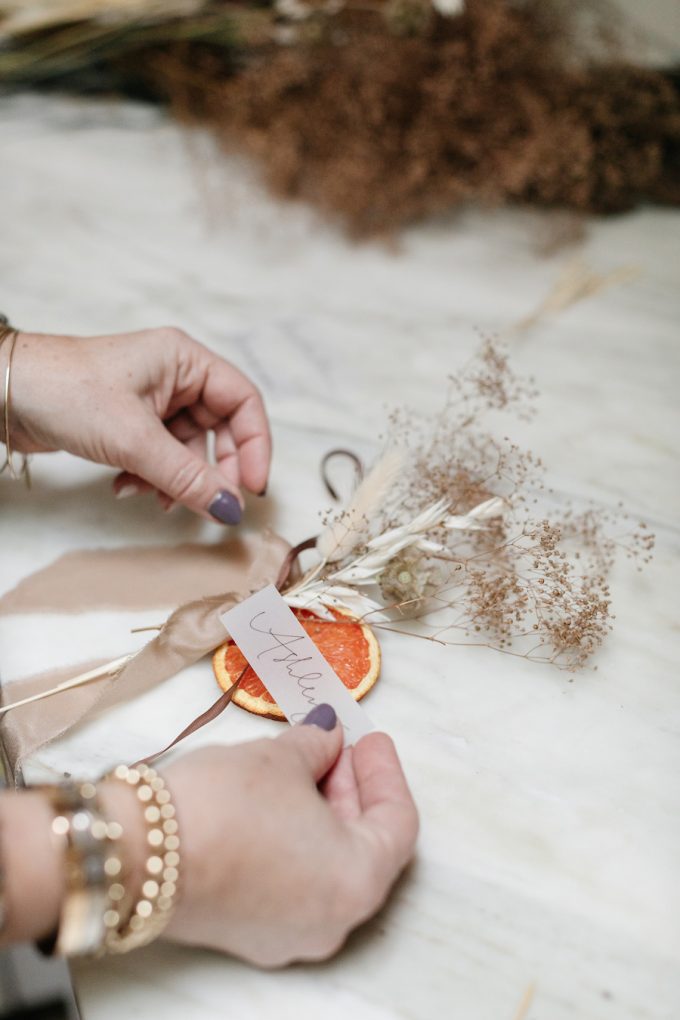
(154, 907)
(10, 334)
(3, 911)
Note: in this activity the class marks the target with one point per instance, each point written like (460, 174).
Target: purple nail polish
(225, 508)
(323, 716)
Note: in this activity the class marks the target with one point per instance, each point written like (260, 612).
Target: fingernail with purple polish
(323, 716)
(225, 508)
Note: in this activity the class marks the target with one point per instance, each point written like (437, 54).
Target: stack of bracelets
(100, 913)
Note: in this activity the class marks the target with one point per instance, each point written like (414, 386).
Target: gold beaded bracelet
(153, 909)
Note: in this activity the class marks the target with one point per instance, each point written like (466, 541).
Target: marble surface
(550, 841)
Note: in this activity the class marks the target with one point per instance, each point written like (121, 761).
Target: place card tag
(288, 662)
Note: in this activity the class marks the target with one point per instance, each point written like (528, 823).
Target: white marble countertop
(551, 815)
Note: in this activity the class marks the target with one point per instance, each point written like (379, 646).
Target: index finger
(232, 396)
(388, 811)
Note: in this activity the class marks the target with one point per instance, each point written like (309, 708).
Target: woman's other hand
(275, 870)
(143, 403)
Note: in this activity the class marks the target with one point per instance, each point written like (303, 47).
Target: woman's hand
(273, 870)
(143, 403)
(274, 867)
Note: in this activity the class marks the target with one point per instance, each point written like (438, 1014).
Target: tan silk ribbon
(191, 631)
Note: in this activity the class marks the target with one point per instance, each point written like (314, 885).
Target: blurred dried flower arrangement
(381, 113)
(447, 537)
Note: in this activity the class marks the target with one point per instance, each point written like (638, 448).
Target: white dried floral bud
(296, 10)
(448, 8)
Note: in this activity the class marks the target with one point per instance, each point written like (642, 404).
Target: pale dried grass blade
(108, 669)
(342, 535)
(525, 1004)
(396, 538)
(471, 521)
(323, 599)
(576, 283)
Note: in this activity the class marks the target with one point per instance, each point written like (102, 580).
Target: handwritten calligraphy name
(290, 661)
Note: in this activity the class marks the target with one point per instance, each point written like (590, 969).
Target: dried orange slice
(349, 646)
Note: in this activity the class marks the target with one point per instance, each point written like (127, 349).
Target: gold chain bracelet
(92, 869)
(153, 909)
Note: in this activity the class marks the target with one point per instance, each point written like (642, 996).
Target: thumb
(318, 740)
(186, 478)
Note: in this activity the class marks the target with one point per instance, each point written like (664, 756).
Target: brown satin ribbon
(217, 708)
(340, 452)
(291, 560)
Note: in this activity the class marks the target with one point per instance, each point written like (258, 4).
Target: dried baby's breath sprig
(451, 548)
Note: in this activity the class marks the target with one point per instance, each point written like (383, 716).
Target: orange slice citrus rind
(348, 645)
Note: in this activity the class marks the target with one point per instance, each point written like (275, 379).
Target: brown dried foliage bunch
(529, 583)
(384, 113)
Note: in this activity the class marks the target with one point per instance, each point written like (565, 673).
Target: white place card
(289, 664)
